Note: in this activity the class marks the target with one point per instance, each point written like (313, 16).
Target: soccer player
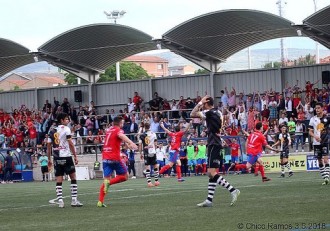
(147, 148)
(174, 149)
(213, 123)
(191, 155)
(319, 129)
(255, 141)
(234, 147)
(111, 157)
(60, 144)
(285, 140)
(201, 158)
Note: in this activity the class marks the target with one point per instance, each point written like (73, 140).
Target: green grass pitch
(296, 203)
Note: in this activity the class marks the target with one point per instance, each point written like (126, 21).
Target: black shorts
(63, 165)
(150, 160)
(321, 150)
(44, 169)
(213, 156)
(284, 154)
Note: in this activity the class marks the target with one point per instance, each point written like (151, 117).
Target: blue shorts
(174, 156)
(192, 162)
(201, 161)
(161, 163)
(252, 159)
(109, 166)
(234, 159)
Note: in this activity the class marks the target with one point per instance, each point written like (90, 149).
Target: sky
(34, 22)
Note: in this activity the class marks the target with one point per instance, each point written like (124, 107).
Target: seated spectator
(283, 120)
(90, 143)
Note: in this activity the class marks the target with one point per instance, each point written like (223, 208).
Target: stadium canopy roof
(93, 48)
(210, 39)
(12, 56)
(317, 26)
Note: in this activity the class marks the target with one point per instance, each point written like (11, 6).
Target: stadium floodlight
(115, 14)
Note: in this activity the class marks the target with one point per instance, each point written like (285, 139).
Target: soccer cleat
(150, 185)
(290, 174)
(181, 180)
(303, 150)
(326, 181)
(282, 175)
(265, 179)
(60, 204)
(157, 183)
(133, 177)
(205, 203)
(106, 186)
(76, 203)
(234, 196)
(100, 205)
(256, 174)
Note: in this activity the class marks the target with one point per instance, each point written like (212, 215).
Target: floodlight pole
(281, 4)
(317, 56)
(115, 14)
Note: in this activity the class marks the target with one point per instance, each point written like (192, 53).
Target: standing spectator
(265, 111)
(47, 105)
(159, 101)
(224, 98)
(299, 137)
(288, 106)
(242, 118)
(272, 110)
(8, 174)
(130, 105)
(189, 105)
(131, 162)
(66, 106)
(137, 100)
(43, 160)
(283, 120)
(174, 110)
(182, 107)
(281, 104)
(231, 98)
(160, 155)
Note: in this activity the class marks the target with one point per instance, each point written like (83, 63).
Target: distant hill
(239, 61)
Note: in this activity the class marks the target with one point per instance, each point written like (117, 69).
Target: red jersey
(32, 132)
(176, 140)
(19, 136)
(255, 142)
(111, 147)
(234, 149)
(309, 88)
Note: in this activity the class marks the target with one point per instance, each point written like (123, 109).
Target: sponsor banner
(312, 163)
(272, 163)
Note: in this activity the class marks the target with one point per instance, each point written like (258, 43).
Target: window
(159, 66)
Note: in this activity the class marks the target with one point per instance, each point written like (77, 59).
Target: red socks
(178, 171)
(118, 179)
(102, 194)
(204, 168)
(262, 171)
(164, 169)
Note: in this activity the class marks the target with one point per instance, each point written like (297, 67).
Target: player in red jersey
(174, 149)
(234, 146)
(255, 142)
(112, 160)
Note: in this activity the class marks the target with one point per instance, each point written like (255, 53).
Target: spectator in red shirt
(137, 100)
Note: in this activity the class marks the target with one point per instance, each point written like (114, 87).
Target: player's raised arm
(196, 111)
(163, 127)
(130, 144)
